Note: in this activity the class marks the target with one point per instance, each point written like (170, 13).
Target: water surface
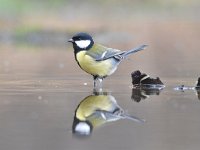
(38, 99)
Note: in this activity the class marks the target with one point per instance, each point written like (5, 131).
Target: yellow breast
(92, 103)
(88, 64)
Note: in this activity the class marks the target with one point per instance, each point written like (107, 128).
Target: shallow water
(38, 100)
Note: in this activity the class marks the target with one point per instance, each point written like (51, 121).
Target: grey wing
(119, 55)
(109, 53)
(100, 52)
(108, 116)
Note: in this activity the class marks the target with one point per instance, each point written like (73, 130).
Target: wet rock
(183, 87)
(198, 88)
(143, 80)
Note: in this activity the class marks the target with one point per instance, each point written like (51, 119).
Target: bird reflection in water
(96, 110)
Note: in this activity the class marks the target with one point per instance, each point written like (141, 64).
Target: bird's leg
(95, 81)
(98, 84)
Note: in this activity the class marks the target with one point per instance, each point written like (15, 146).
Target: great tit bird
(96, 110)
(96, 59)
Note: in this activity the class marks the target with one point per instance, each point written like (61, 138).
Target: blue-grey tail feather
(133, 118)
(139, 48)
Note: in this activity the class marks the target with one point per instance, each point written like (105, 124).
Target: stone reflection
(95, 110)
(198, 93)
(139, 94)
(196, 88)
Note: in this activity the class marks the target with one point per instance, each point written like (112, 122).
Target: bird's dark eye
(77, 38)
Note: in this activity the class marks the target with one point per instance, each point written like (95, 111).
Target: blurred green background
(39, 19)
(41, 83)
(171, 28)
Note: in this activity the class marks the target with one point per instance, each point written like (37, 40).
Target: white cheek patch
(83, 43)
(82, 128)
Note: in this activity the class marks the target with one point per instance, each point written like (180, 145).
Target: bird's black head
(81, 41)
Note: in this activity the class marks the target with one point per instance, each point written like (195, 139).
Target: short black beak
(71, 40)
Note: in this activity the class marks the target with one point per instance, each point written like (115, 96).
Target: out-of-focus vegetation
(48, 21)
(171, 28)
(21, 6)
